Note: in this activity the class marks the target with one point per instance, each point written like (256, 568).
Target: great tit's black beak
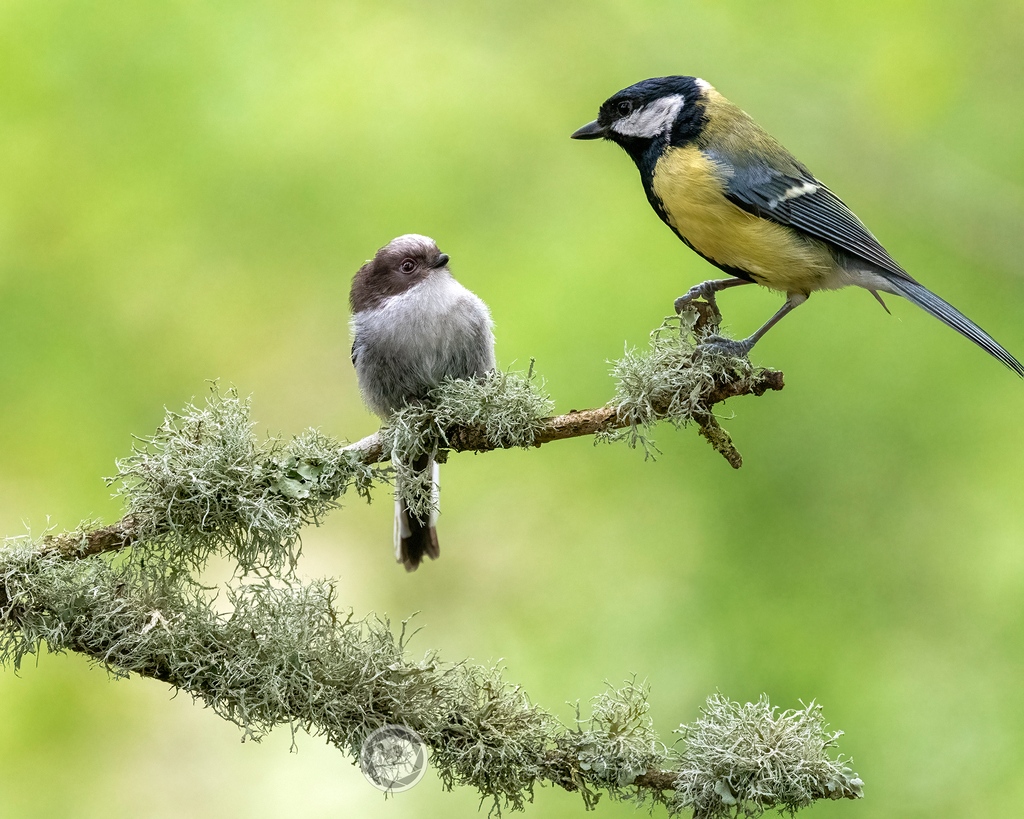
(442, 260)
(592, 130)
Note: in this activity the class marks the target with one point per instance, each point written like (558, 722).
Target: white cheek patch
(651, 120)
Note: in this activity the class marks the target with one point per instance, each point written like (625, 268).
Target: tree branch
(374, 449)
(578, 423)
(204, 484)
(81, 544)
(285, 656)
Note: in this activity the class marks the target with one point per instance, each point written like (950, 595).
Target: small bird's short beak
(442, 260)
(592, 130)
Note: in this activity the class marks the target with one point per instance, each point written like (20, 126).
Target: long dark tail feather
(415, 538)
(947, 313)
(420, 542)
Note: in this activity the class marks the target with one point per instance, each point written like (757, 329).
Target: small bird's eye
(624, 108)
(407, 266)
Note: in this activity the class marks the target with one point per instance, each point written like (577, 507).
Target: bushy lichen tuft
(741, 760)
(506, 407)
(204, 483)
(616, 745)
(493, 739)
(669, 381)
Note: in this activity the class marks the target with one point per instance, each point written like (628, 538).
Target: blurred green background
(185, 192)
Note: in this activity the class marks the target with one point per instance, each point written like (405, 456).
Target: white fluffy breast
(431, 299)
(413, 340)
(652, 120)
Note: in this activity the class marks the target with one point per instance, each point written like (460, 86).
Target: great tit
(739, 199)
(413, 326)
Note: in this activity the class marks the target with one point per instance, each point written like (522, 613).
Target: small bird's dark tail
(415, 538)
(947, 313)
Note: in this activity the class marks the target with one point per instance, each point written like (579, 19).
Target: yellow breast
(690, 187)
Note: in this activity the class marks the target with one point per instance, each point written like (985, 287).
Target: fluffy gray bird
(413, 326)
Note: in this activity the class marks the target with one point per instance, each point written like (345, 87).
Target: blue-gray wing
(798, 200)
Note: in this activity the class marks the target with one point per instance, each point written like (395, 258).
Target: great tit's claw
(704, 290)
(726, 346)
(708, 314)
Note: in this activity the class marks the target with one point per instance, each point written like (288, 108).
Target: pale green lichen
(204, 483)
(741, 760)
(669, 381)
(278, 652)
(616, 745)
(269, 650)
(506, 407)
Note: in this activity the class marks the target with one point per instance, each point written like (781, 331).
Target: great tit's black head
(669, 108)
(402, 263)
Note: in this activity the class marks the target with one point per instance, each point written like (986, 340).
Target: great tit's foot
(701, 298)
(704, 290)
(727, 346)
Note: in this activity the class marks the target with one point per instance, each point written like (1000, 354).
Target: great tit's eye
(407, 266)
(624, 108)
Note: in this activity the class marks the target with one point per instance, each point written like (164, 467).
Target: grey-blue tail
(948, 314)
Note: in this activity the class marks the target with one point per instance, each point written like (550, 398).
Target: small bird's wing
(796, 199)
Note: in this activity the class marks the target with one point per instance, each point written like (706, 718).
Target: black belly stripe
(739, 273)
(646, 166)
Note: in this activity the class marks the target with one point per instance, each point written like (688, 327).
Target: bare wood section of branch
(76, 545)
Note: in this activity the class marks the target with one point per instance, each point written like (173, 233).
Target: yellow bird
(738, 198)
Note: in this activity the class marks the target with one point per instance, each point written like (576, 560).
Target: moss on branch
(281, 653)
(269, 650)
(204, 482)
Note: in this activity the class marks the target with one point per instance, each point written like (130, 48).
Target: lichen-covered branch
(205, 483)
(283, 654)
(601, 420)
(128, 596)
